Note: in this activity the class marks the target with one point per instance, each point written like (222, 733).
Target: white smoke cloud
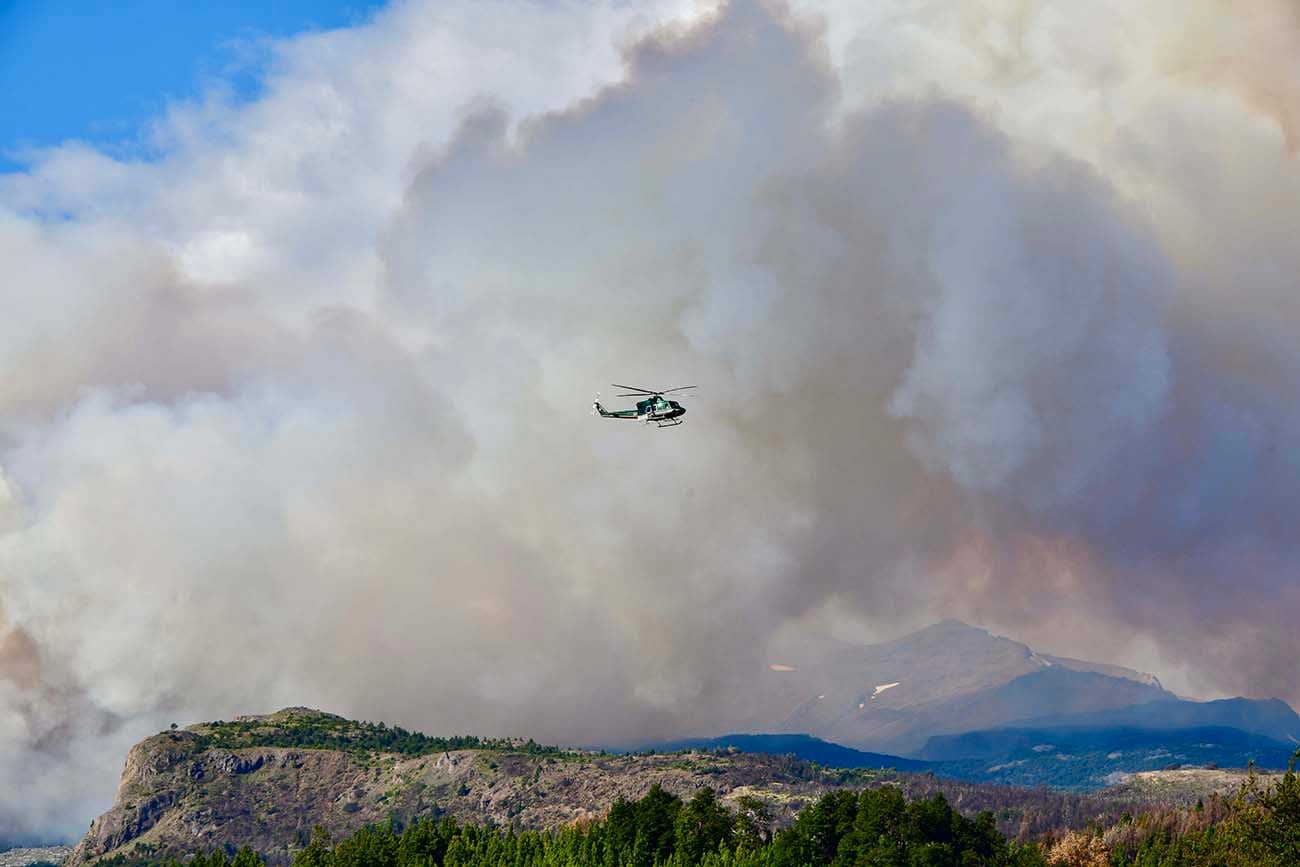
(993, 314)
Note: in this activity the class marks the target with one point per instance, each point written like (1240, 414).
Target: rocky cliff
(201, 788)
(266, 781)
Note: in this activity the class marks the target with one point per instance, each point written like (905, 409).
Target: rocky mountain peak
(889, 697)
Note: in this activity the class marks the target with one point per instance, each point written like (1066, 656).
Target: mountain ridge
(890, 697)
(950, 677)
(1068, 759)
(267, 779)
(1268, 717)
(182, 791)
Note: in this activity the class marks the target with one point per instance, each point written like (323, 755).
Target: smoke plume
(994, 315)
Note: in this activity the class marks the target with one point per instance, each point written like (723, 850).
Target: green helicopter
(653, 408)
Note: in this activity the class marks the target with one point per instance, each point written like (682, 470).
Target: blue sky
(99, 71)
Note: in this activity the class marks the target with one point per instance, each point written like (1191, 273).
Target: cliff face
(176, 796)
(267, 781)
(179, 793)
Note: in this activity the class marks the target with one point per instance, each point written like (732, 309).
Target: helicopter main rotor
(634, 391)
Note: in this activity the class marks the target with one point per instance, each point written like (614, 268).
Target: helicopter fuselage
(657, 410)
(653, 406)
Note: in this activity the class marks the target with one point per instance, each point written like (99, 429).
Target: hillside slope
(801, 746)
(248, 782)
(1092, 758)
(1269, 718)
(266, 781)
(25, 855)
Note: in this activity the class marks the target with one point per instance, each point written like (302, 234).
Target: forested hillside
(1259, 827)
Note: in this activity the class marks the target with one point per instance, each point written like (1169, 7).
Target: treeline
(875, 826)
(1259, 827)
(329, 733)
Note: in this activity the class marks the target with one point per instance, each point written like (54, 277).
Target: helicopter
(654, 407)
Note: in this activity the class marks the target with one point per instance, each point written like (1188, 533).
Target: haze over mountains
(958, 694)
(972, 707)
(946, 678)
(961, 703)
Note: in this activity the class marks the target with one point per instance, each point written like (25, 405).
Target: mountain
(944, 679)
(266, 781)
(1270, 718)
(1062, 758)
(981, 707)
(1094, 758)
(801, 746)
(952, 678)
(1209, 745)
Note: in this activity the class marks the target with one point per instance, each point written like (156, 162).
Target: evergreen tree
(1275, 823)
(316, 853)
(702, 825)
(656, 819)
(246, 857)
(753, 822)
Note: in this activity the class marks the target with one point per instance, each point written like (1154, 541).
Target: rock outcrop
(179, 793)
(267, 781)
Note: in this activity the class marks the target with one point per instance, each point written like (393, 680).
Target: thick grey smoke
(994, 316)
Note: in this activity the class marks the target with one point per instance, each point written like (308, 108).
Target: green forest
(324, 732)
(1258, 827)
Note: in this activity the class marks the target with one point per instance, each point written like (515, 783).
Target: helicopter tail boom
(604, 413)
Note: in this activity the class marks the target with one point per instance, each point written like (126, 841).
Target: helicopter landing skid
(671, 423)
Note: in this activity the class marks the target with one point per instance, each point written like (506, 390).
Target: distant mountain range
(1271, 718)
(976, 706)
(1092, 758)
(950, 705)
(945, 679)
(805, 747)
(1074, 759)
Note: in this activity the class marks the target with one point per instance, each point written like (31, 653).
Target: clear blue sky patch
(100, 71)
